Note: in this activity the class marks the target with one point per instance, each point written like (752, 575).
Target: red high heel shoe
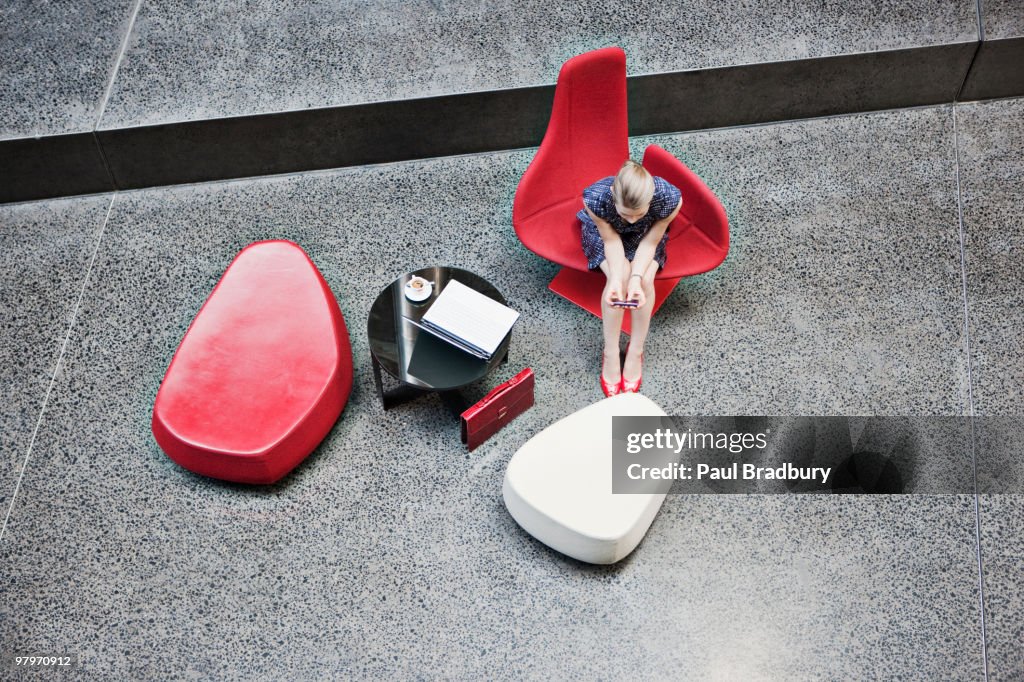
(609, 389)
(633, 386)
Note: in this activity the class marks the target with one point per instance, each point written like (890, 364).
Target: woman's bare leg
(611, 322)
(641, 324)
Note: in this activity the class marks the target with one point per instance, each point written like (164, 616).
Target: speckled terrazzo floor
(388, 552)
(47, 248)
(991, 138)
(186, 61)
(56, 61)
(1003, 19)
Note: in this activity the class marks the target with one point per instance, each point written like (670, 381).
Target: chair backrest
(586, 139)
(700, 207)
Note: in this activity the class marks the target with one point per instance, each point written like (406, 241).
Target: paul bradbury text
(736, 471)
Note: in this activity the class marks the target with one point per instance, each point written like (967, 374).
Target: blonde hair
(633, 187)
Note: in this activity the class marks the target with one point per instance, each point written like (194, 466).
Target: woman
(624, 222)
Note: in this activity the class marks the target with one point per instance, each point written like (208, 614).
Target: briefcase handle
(501, 388)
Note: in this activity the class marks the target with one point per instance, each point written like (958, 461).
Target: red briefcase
(506, 402)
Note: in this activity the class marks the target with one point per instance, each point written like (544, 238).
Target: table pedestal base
(454, 400)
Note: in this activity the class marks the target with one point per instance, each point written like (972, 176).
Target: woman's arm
(645, 252)
(613, 251)
(614, 255)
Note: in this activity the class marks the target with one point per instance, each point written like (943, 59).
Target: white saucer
(422, 295)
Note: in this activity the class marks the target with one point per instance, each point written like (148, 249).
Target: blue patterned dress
(598, 198)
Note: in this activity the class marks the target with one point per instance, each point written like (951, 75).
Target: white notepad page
(471, 316)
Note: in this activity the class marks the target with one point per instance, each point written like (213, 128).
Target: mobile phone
(625, 304)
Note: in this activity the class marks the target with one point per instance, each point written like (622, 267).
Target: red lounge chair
(586, 140)
(262, 373)
(698, 239)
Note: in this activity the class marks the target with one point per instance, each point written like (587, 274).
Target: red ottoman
(262, 373)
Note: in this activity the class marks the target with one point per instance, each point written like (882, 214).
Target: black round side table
(419, 361)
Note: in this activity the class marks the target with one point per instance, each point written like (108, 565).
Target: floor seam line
(57, 364)
(980, 10)
(103, 158)
(967, 74)
(970, 392)
(117, 64)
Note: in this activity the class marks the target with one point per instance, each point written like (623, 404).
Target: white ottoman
(558, 486)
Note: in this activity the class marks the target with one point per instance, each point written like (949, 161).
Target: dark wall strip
(998, 71)
(400, 130)
(776, 91)
(327, 138)
(52, 166)
(506, 119)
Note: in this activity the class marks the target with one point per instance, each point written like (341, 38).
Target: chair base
(584, 288)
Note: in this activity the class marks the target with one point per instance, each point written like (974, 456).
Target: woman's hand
(636, 291)
(613, 291)
(615, 263)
